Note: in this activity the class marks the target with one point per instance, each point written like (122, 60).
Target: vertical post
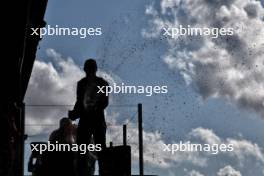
(140, 138)
(20, 141)
(23, 137)
(21, 127)
(124, 135)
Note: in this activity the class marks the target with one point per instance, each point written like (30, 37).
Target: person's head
(65, 123)
(90, 67)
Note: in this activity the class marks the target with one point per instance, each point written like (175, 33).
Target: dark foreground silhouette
(89, 108)
(64, 163)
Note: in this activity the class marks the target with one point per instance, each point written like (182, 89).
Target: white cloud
(48, 86)
(245, 150)
(206, 135)
(230, 67)
(194, 173)
(228, 171)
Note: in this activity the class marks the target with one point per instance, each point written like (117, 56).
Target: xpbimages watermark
(129, 89)
(175, 32)
(56, 30)
(58, 147)
(192, 147)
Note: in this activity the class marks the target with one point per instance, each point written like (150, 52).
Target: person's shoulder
(55, 132)
(102, 81)
(54, 135)
(81, 81)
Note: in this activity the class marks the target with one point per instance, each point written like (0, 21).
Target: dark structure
(116, 161)
(19, 48)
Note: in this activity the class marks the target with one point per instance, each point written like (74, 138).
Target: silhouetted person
(65, 134)
(63, 162)
(89, 107)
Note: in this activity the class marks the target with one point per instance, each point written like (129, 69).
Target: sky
(215, 86)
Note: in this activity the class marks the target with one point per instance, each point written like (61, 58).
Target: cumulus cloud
(228, 171)
(50, 86)
(230, 66)
(246, 156)
(244, 153)
(244, 150)
(194, 173)
(207, 136)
